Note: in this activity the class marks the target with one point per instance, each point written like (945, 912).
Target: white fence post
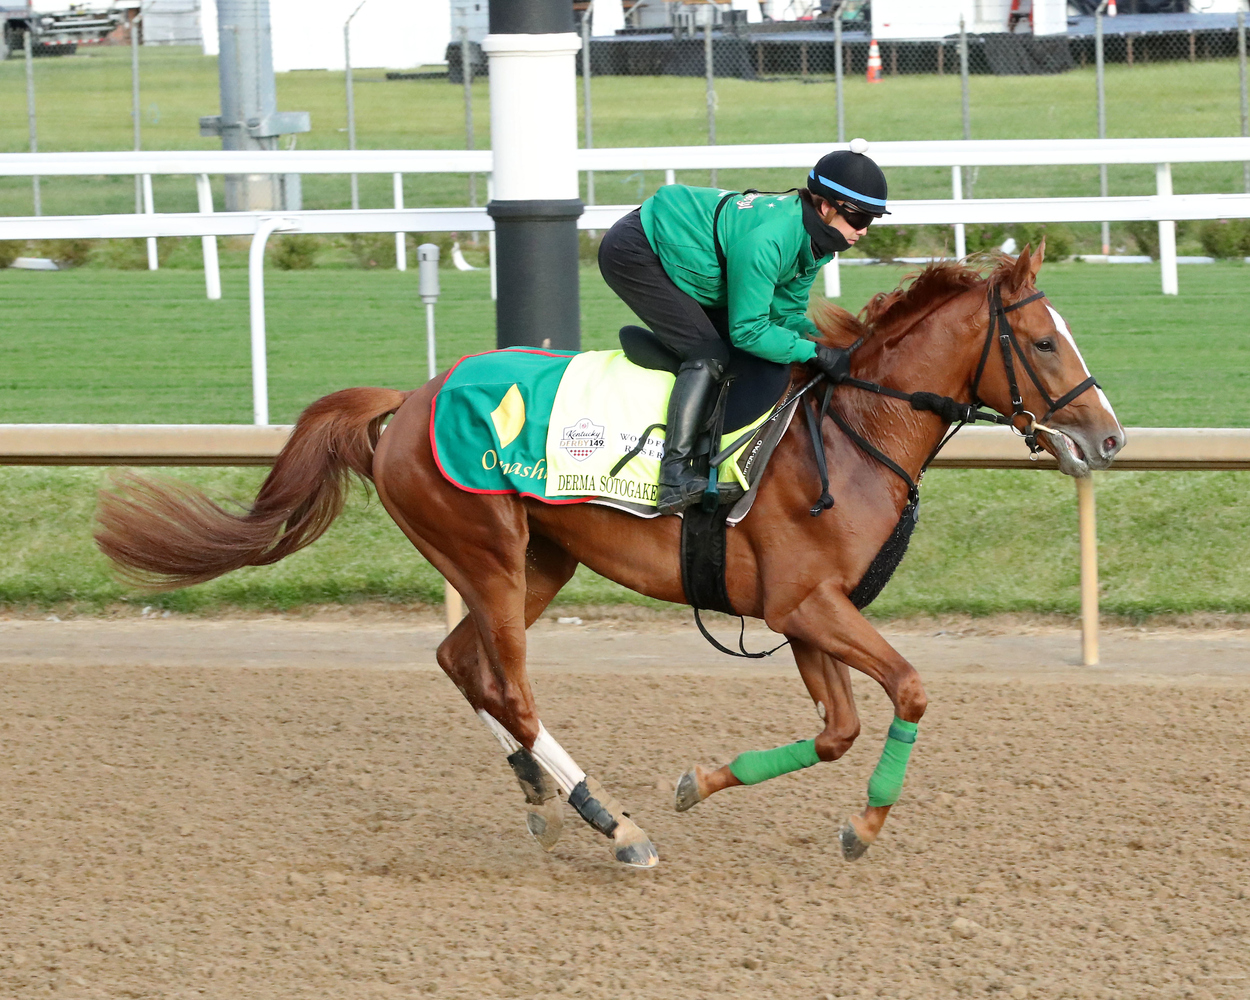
(1167, 233)
(490, 242)
(150, 209)
(833, 279)
(401, 239)
(957, 192)
(212, 268)
(256, 303)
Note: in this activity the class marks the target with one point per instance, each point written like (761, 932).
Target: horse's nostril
(1110, 445)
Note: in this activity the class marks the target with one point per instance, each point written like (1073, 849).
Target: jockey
(705, 268)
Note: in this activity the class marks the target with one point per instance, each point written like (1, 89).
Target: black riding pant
(633, 270)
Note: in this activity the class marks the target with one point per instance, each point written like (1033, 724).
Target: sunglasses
(854, 218)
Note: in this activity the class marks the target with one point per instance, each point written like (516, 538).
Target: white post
(149, 209)
(351, 104)
(256, 303)
(490, 239)
(427, 272)
(833, 279)
(670, 176)
(401, 239)
(1089, 569)
(957, 193)
(30, 114)
(1167, 233)
(212, 269)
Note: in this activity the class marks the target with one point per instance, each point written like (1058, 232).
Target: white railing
(1163, 207)
(1183, 448)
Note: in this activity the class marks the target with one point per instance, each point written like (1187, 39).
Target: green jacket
(770, 263)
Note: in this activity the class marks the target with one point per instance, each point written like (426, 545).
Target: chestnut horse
(509, 556)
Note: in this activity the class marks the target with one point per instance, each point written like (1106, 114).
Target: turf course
(102, 346)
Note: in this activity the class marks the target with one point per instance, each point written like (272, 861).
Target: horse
(509, 556)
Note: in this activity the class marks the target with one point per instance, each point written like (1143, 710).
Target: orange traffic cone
(874, 63)
(1111, 11)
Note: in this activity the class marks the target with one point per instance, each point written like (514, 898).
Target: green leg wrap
(755, 766)
(886, 783)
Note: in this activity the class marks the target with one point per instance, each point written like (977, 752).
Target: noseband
(1010, 347)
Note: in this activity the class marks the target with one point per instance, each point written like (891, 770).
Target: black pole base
(536, 273)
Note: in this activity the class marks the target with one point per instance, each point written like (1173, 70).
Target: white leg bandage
(558, 764)
(510, 746)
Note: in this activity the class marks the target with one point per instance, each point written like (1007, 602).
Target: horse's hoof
(853, 848)
(545, 822)
(630, 846)
(687, 795)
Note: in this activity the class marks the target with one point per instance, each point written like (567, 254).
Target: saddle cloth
(552, 425)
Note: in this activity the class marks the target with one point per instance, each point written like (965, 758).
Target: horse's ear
(1038, 256)
(1023, 272)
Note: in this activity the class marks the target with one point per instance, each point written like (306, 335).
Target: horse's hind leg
(828, 681)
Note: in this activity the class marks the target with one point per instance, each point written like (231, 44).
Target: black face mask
(826, 240)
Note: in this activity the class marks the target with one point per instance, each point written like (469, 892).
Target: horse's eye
(1046, 345)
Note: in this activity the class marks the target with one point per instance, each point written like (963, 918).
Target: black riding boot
(689, 408)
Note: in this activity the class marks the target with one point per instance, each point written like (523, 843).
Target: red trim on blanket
(470, 489)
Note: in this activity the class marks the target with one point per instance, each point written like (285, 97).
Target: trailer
(59, 33)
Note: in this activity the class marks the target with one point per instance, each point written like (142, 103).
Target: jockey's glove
(832, 362)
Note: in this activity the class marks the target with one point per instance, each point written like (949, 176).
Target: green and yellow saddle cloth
(553, 425)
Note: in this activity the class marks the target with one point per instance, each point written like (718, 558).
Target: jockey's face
(831, 216)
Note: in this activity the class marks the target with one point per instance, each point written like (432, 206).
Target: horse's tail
(165, 535)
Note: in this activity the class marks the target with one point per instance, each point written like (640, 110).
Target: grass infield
(99, 346)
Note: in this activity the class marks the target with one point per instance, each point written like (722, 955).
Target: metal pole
(427, 283)
(351, 102)
(711, 84)
(590, 134)
(963, 85)
(1102, 116)
(1245, 101)
(256, 306)
(30, 113)
(1088, 530)
(212, 269)
(466, 74)
(401, 239)
(963, 78)
(837, 71)
(134, 102)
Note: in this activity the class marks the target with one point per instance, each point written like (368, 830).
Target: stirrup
(675, 499)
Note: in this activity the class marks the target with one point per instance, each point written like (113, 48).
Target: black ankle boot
(689, 408)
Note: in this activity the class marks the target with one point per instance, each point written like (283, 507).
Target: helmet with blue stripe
(851, 177)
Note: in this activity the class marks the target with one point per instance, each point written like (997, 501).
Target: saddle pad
(552, 425)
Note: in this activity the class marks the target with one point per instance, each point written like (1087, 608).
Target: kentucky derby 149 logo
(583, 439)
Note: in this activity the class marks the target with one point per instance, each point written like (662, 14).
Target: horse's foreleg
(827, 620)
(829, 683)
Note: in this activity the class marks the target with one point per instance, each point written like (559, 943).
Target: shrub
(1226, 237)
(132, 255)
(10, 250)
(1060, 240)
(297, 252)
(372, 249)
(980, 238)
(66, 253)
(1146, 236)
(886, 242)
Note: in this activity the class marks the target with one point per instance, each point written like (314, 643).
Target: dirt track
(309, 810)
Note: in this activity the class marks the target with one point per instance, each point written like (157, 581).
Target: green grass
(147, 347)
(84, 104)
(100, 346)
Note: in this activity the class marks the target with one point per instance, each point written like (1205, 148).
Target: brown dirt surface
(308, 809)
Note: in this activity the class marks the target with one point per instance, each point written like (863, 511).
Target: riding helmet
(848, 175)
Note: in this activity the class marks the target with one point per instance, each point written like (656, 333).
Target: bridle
(1010, 347)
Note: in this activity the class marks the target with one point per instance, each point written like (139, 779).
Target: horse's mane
(917, 294)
